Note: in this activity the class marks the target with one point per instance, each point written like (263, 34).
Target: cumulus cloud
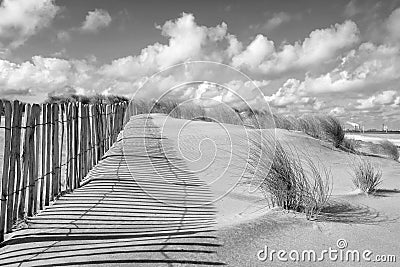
(42, 76)
(96, 20)
(187, 41)
(321, 46)
(337, 111)
(291, 93)
(364, 69)
(21, 19)
(384, 98)
(259, 49)
(46, 72)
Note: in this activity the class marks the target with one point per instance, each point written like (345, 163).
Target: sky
(333, 57)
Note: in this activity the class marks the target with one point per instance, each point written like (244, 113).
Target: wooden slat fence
(48, 150)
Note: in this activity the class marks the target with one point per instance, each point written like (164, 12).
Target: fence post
(48, 154)
(83, 143)
(21, 187)
(55, 156)
(14, 158)
(89, 136)
(68, 184)
(6, 164)
(31, 161)
(60, 162)
(43, 155)
(77, 155)
(104, 124)
(94, 144)
(37, 159)
(98, 131)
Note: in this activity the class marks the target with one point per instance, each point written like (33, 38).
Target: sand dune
(246, 225)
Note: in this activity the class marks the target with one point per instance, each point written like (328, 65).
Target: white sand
(246, 225)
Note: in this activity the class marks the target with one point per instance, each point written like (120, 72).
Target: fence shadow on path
(136, 207)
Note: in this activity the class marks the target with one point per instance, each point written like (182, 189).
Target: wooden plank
(102, 131)
(1, 116)
(6, 165)
(72, 173)
(109, 124)
(105, 129)
(73, 156)
(76, 138)
(68, 144)
(48, 154)
(54, 152)
(14, 159)
(112, 122)
(62, 106)
(104, 124)
(85, 142)
(37, 158)
(118, 122)
(32, 161)
(21, 183)
(128, 113)
(115, 122)
(43, 156)
(97, 131)
(82, 143)
(94, 144)
(121, 115)
(89, 139)
(117, 109)
(80, 153)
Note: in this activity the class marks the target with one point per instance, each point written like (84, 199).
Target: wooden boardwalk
(136, 207)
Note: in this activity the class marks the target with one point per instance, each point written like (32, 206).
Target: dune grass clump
(366, 176)
(350, 145)
(166, 106)
(259, 119)
(224, 114)
(286, 180)
(310, 125)
(282, 122)
(333, 130)
(390, 149)
(141, 106)
(192, 111)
